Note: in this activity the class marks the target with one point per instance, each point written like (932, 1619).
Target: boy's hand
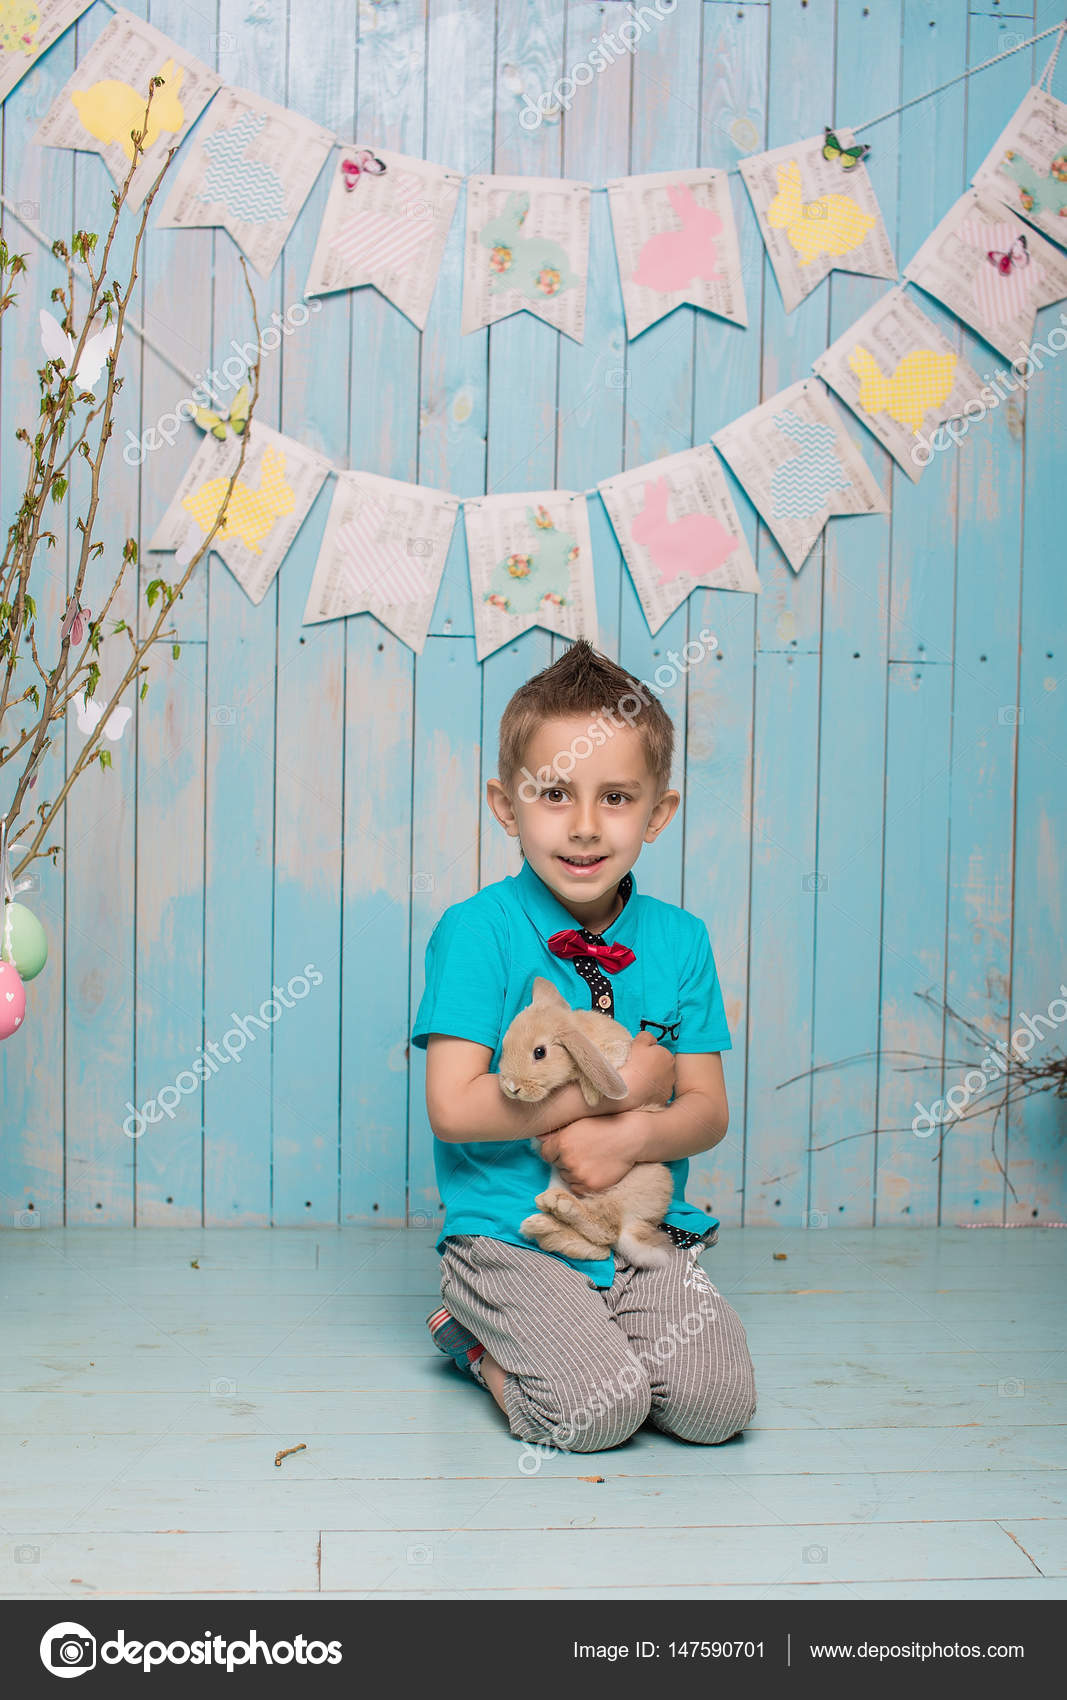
(648, 1072)
(595, 1152)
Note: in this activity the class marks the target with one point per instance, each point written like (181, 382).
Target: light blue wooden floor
(909, 1440)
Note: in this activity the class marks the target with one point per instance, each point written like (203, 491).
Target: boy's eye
(539, 1053)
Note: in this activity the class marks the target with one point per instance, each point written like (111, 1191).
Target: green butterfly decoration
(849, 157)
(219, 424)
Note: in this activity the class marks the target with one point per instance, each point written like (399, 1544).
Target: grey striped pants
(586, 1365)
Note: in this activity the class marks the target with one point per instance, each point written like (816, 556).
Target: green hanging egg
(23, 941)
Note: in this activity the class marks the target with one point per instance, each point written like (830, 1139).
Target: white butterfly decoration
(58, 344)
(89, 718)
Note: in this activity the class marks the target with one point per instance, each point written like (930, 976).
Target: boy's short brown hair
(582, 681)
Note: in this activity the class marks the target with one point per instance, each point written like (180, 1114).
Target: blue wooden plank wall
(871, 766)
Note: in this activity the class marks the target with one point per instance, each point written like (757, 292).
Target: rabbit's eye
(539, 1053)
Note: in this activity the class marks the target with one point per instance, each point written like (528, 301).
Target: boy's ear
(501, 805)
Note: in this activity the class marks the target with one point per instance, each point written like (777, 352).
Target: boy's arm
(697, 1118)
(465, 1104)
(592, 1155)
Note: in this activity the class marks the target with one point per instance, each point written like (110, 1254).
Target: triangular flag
(798, 466)
(527, 248)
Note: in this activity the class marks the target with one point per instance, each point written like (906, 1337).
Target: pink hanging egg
(12, 1000)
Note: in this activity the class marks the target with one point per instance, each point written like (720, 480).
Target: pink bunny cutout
(693, 545)
(673, 258)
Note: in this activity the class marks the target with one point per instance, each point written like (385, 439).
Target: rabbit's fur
(586, 1046)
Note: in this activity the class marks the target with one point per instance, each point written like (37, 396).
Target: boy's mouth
(583, 866)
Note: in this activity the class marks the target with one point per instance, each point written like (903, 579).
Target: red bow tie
(610, 957)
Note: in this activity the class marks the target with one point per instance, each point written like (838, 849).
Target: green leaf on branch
(104, 758)
(153, 591)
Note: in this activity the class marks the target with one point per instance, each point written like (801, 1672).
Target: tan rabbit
(548, 1045)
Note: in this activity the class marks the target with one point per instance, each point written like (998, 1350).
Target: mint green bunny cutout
(521, 582)
(533, 265)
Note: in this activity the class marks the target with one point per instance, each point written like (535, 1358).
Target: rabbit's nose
(510, 1087)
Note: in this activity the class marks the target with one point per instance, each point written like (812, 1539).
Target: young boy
(580, 1353)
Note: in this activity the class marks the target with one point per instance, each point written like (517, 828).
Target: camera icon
(222, 1387)
(420, 1555)
(420, 546)
(422, 882)
(224, 715)
(224, 42)
(814, 1555)
(1010, 715)
(1011, 1389)
(815, 1219)
(27, 1218)
(68, 1647)
(419, 209)
(28, 209)
(27, 1555)
(815, 882)
(421, 1219)
(744, 135)
(617, 379)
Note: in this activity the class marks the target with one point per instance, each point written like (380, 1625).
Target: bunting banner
(386, 223)
(269, 503)
(901, 378)
(798, 466)
(1027, 166)
(250, 169)
(106, 98)
(676, 244)
(383, 553)
(678, 531)
(531, 564)
(990, 270)
(27, 29)
(817, 213)
(527, 248)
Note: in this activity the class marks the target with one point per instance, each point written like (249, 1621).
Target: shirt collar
(549, 915)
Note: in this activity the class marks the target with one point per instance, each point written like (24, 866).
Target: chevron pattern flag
(377, 563)
(249, 189)
(802, 485)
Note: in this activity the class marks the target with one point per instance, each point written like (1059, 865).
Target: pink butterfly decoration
(74, 621)
(364, 162)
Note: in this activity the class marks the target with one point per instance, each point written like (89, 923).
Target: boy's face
(578, 802)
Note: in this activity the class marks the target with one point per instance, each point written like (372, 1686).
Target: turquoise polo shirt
(481, 961)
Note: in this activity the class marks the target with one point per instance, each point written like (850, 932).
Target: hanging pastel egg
(12, 1000)
(23, 941)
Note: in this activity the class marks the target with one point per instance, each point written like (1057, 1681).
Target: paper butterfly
(1017, 255)
(849, 157)
(58, 344)
(74, 621)
(235, 420)
(1039, 192)
(364, 162)
(90, 714)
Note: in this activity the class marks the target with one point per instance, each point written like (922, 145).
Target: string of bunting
(994, 260)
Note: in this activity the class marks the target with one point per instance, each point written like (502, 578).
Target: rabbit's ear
(681, 198)
(545, 992)
(593, 1066)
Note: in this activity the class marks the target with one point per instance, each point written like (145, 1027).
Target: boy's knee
(709, 1412)
(604, 1418)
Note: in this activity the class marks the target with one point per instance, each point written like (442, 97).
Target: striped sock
(457, 1343)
